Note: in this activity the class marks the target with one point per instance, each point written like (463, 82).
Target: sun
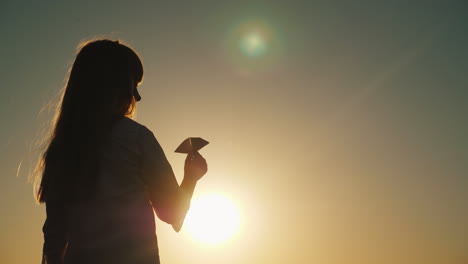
(212, 219)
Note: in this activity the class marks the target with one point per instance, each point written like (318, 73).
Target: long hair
(101, 89)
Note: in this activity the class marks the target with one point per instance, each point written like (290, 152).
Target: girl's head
(101, 88)
(105, 76)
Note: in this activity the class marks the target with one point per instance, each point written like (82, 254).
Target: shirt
(118, 225)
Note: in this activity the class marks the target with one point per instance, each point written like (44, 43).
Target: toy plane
(191, 145)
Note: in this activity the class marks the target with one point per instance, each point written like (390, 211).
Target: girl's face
(135, 92)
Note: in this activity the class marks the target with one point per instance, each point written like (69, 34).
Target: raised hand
(195, 166)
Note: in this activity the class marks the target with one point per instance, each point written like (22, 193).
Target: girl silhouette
(103, 174)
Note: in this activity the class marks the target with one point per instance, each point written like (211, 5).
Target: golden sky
(338, 129)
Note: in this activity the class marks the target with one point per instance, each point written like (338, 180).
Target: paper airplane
(191, 145)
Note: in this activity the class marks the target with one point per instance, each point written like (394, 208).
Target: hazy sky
(343, 141)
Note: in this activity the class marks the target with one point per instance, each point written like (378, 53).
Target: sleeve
(55, 234)
(167, 198)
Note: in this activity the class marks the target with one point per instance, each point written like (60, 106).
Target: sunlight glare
(212, 219)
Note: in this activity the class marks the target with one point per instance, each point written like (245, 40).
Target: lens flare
(253, 44)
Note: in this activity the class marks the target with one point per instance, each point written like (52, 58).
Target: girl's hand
(195, 166)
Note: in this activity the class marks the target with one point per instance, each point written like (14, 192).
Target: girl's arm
(169, 200)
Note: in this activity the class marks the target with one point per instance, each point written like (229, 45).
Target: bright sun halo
(212, 219)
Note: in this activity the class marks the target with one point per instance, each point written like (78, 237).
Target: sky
(338, 128)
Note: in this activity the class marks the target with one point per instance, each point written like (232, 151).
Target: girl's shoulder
(127, 123)
(129, 126)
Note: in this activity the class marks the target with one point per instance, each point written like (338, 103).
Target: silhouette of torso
(118, 226)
